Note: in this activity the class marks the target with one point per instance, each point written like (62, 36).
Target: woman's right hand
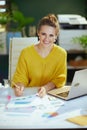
(18, 89)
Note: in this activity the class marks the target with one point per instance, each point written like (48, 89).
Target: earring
(38, 38)
(55, 40)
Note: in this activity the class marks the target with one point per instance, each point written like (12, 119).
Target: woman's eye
(51, 35)
(43, 33)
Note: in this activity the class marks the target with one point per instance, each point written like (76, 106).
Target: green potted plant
(16, 25)
(18, 21)
(4, 19)
(82, 40)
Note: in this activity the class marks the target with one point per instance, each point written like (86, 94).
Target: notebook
(77, 88)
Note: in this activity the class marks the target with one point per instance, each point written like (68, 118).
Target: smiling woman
(42, 65)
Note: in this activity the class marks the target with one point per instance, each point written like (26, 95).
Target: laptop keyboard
(64, 94)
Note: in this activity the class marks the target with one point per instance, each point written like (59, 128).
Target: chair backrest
(16, 46)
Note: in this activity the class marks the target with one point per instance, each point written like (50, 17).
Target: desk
(71, 107)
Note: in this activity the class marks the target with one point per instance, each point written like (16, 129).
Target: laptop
(77, 88)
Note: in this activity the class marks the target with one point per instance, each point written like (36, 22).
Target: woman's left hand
(42, 92)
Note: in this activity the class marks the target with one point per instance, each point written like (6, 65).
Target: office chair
(15, 47)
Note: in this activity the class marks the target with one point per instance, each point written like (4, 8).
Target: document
(26, 101)
(33, 102)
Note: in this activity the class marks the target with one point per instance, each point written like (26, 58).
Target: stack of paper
(34, 102)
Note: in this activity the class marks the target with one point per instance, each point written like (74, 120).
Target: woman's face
(47, 35)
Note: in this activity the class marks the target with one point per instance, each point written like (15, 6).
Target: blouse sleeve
(21, 73)
(61, 72)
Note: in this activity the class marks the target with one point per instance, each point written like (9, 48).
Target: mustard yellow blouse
(33, 70)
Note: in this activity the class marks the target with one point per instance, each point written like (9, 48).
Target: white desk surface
(70, 108)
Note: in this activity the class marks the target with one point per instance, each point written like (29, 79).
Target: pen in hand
(15, 85)
(18, 89)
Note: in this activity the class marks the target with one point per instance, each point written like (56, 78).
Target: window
(4, 6)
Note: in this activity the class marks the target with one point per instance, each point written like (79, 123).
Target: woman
(43, 64)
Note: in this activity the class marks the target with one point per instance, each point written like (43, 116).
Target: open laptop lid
(78, 86)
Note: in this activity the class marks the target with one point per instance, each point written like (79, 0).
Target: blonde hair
(50, 20)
